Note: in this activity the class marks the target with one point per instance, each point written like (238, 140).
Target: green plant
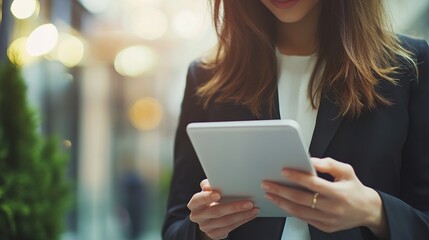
(34, 191)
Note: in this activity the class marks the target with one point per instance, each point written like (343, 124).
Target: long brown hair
(357, 49)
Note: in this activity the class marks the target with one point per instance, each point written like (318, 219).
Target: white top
(294, 76)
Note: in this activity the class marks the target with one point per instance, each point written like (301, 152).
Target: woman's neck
(299, 38)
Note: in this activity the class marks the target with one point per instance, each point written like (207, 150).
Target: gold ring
(315, 196)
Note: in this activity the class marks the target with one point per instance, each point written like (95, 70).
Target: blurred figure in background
(133, 202)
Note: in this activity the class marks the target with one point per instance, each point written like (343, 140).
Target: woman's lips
(283, 4)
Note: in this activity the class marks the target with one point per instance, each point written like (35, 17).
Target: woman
(359, 92)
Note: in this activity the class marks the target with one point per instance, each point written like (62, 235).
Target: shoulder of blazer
(419, 53)
(412, 44)
(198, 74)
(418, 47)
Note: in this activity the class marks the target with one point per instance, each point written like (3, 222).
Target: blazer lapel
(327, 123)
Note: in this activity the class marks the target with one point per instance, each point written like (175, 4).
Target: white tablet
(238, 156)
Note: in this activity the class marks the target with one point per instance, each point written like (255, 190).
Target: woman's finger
(297, 196)
(221, 233)
(221, 210)
(311, 182)
(205, 186)
(297, 210)
(202, 199)
(337, 169)
(228, 220)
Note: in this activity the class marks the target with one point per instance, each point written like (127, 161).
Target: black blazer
(388, 148)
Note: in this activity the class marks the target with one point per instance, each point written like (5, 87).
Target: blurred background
(107, 76)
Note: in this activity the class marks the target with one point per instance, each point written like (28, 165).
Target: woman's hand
(215, 219)
(339, 205)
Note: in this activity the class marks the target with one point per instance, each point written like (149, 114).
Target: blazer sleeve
(408, 215)
(187, 173)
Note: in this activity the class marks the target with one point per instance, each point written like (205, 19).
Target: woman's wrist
(376, 221)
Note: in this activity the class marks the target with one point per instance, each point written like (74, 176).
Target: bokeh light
(42, 40)
(17, 52)
(67, 143)
(146, 114)
(70, 50)
(186, 24)
(150, 24)
(95, 6)
(23, 9)
(134, 61)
